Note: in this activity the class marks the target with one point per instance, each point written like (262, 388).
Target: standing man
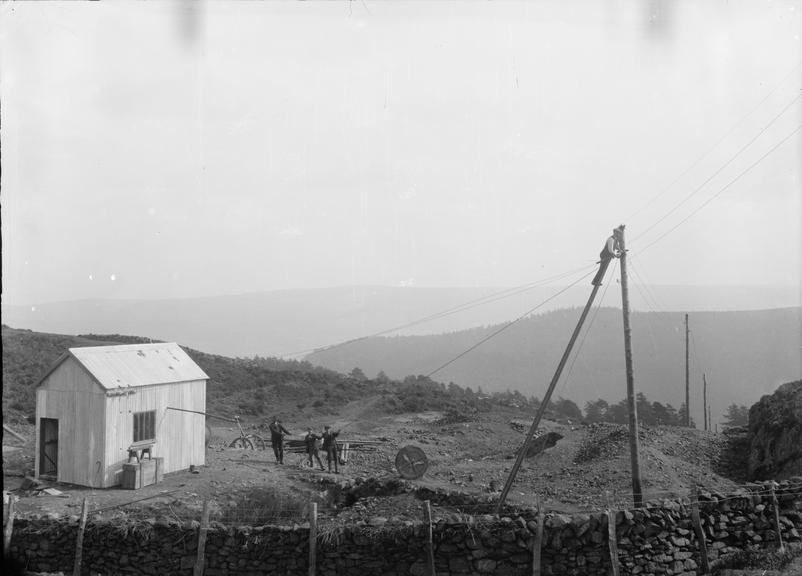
(311, 440)
(277, 432)
(330, 446)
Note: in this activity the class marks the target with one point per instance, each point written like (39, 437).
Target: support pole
(687, 378)
(704, 399)
(79, 540)
(637, 493)
(313, 540)
(700, 533)
(200, 562)
(545, 402)
(8, 529)
(612, 542)
(430, 540)
(776, 505)
(538, 545)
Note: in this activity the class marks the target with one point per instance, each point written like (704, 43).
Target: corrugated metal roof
(138, 364)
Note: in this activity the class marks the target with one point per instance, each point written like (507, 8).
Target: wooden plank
(612, 542)
(538, 545)
(313, 540)
(430, 541)
(200, 563)
(79, 540)
(697, 528)
(8, 528)
(776, 505)
(14, 434)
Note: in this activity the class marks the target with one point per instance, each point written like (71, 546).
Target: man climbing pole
(611, 250)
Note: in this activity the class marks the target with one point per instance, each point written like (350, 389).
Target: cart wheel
(241, 443)
(411, 462)
(257, 441)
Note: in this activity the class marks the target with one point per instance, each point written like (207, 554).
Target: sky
(163, 150)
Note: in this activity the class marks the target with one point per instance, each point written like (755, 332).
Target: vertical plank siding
(180, 436)
(71, 396)
(95, 430)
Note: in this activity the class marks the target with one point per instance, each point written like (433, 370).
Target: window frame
(144, 426)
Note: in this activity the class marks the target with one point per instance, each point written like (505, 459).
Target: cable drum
(411, 462)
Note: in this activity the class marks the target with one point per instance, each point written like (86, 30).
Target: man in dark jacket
(330, 446)
(311, 441)
(277, 432)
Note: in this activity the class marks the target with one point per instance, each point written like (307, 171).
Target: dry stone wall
(658, 540)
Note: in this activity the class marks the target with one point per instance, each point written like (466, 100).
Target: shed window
(144, 426)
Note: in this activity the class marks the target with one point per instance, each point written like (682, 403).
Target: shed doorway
(48, 447)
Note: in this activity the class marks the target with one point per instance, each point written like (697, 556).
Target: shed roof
(136, 364)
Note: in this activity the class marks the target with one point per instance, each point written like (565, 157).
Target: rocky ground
(586, 467)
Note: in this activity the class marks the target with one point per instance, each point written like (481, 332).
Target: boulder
(775, 429)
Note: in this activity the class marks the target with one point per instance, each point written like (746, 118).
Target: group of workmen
(313, 441)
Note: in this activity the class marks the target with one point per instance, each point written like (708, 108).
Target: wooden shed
(95, 402)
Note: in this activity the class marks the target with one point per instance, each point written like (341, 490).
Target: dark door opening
(48, 447)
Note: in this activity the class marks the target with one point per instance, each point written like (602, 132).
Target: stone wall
(659, 539)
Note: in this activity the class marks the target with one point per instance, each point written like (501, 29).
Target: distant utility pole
(704, 396)
(687, 379)
(637, 495)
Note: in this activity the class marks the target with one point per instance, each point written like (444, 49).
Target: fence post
(697, 527)
(430, 540)
(313, 540)
(9, 527)
(776, 505)
(79, 540)
(612, 543)
(536, 550)
(200, 563)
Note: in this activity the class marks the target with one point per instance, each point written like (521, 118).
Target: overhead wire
(482, 300)
(722, 190)
(507, 325)
(715, 145)
(720, 169)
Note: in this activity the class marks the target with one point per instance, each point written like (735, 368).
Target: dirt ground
(473, 457)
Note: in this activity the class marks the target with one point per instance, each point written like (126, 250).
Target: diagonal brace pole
(545, 402)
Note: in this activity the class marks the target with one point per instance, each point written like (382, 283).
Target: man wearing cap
(277, 432)
(330, 446)
(311, 441)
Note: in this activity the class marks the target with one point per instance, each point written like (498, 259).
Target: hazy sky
(158, 150)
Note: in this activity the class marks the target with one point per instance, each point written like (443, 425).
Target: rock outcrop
(775, 434)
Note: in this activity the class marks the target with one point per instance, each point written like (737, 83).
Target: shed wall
(180, 436)
(70, 395)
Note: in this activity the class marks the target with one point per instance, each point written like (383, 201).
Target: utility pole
(687, 379)
(603, 264)
(704, 396)
(637, 494)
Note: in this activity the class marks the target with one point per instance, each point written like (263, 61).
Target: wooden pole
(538, 545)
(776, 505)
(545, 402)
(634, 451)
(687, 378)
(79, 540)
(697, 527)
(430, 542)
(313, 540)
(200, 563)
(704, 397)
(612, 542)
(8, 529)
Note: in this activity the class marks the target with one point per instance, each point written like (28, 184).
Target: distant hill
(252, 387)
(284, 322)
(744, 354)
